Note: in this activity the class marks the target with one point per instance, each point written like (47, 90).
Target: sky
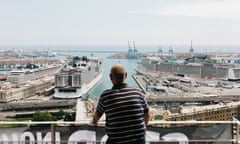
(115, 22)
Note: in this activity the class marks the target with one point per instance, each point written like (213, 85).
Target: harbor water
(105, 83)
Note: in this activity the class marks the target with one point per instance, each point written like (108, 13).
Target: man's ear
(125, 75)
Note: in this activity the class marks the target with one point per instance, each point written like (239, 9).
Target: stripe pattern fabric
(124, 108)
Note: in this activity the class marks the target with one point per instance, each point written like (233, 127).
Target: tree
(42, 116)
(60, 115)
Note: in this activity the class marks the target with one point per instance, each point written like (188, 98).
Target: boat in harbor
(77, 78)
(3, 76)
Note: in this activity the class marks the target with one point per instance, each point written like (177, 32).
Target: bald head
(118, 74)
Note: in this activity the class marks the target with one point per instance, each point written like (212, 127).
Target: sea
(129, 64)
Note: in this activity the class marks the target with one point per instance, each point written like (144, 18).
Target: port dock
(140, 82)
(215, 96)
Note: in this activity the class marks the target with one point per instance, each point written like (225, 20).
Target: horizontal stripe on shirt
(124, 107)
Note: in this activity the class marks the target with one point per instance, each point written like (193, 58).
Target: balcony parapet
(158, 131)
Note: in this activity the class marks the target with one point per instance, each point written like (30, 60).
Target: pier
(139, 80)
(81, 111)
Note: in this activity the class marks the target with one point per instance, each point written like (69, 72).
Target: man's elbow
(146, 117)
(95, 118)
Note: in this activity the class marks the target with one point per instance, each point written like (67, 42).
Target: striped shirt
(124, 108)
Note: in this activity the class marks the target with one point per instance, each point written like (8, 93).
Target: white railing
(167, 132)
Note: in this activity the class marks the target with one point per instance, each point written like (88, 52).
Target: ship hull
(80, 92)
(76, 81)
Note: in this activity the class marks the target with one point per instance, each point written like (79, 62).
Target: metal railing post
(53, 134)
(237, 131)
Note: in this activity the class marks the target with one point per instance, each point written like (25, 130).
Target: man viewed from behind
(125, 108)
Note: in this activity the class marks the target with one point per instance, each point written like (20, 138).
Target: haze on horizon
(111, 22)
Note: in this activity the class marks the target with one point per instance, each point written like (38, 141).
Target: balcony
(158, 132)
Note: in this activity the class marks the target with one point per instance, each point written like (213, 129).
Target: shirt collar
(120, 86)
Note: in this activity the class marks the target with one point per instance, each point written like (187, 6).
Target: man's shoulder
(107, 91)
(134, 88)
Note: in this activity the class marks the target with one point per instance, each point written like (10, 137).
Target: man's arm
(146, 117)
(95, 119)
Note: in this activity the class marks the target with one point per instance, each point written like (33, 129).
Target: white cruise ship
(75, 81)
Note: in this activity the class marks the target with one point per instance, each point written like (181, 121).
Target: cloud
(225, 9)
